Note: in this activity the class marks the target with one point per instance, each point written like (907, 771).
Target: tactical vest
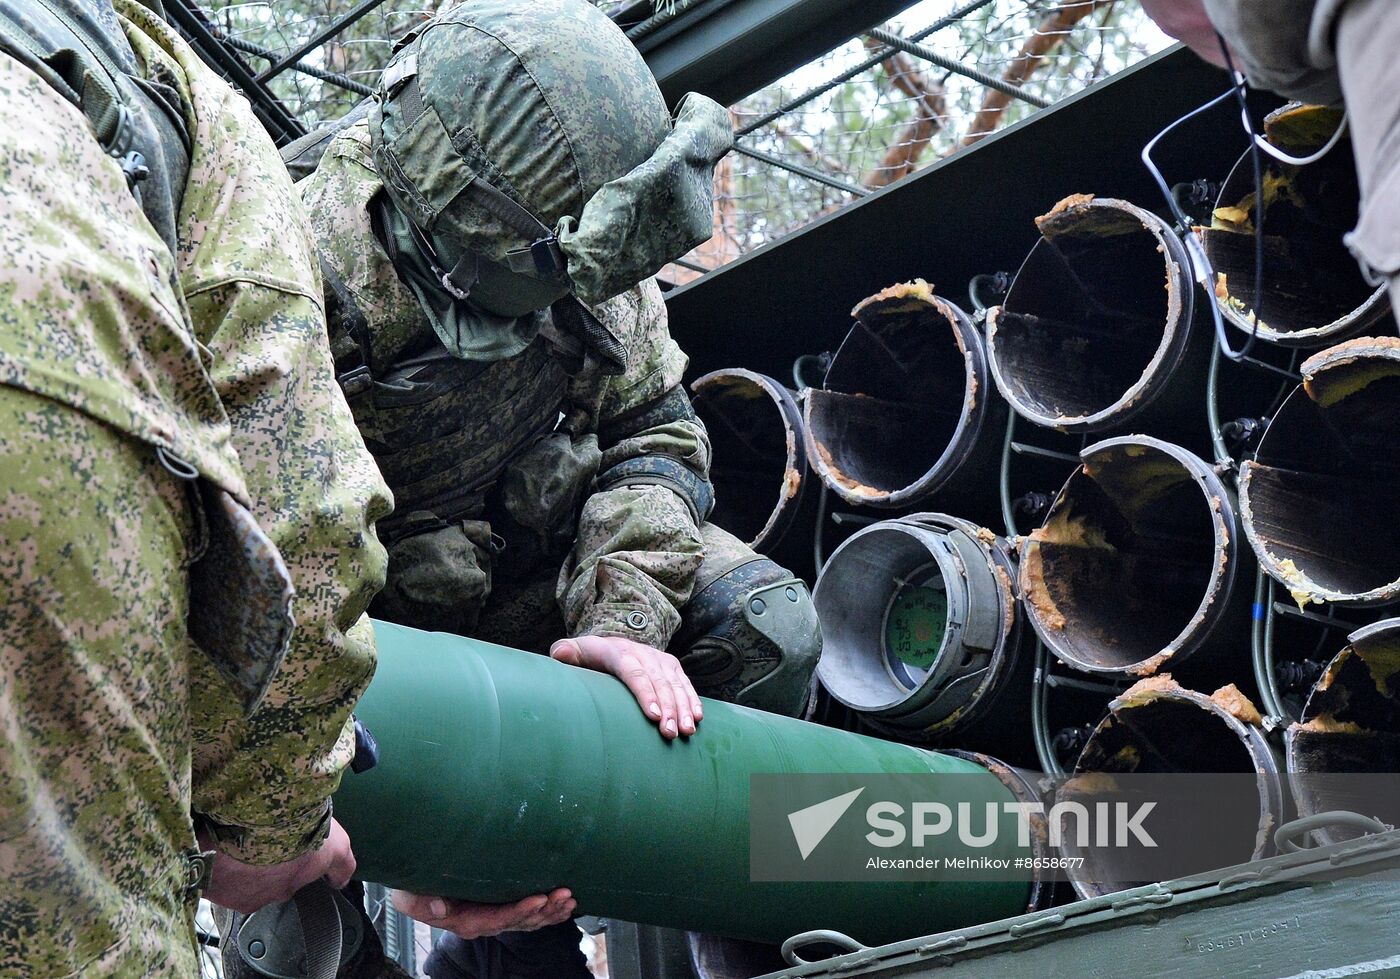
(443, 430)
(449, 434)
(140, 122)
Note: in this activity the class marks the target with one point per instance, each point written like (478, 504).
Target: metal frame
(191, 22)
(321, 37)
(728, 49)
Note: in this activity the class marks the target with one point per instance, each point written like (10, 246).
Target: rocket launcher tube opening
(758, 462)
(1350, 724)
(919, 624)
(1160, 728)
(1097, 319)
(1321, 498)
(1314, 292)
(1135, 563)
(904, 402)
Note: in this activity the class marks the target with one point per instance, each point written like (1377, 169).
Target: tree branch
(1052, 30)
(902, 156)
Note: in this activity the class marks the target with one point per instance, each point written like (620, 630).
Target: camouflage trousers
(94, 670)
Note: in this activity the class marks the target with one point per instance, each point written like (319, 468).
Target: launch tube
(1135, 567)
(922, 629)
(504, 774)
(1157, 727)
(907, 409)
(1350, 725)
(1097, 322)
(759, 464)
(1313, 290)
(1321, 497)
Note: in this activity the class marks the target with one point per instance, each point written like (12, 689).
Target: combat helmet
(529, 151)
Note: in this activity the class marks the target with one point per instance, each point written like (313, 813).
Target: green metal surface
(728, 49)
(504, 774)
(1327, 912)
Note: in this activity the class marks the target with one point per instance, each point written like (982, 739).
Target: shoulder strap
(79, 71)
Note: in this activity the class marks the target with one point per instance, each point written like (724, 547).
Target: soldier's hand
(245, 887)
(469, 920)
(656, 679)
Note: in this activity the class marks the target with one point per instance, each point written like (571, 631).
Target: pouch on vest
(439, 576)
(240, 595)
(541, 493)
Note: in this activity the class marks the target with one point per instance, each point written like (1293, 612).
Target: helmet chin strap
(463, 275)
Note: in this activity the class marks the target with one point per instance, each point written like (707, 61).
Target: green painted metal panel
(1327, 912)
(731, 48)
(504, 774)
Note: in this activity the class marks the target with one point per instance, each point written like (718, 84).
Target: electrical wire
(1297, 161)
(1259, 204)
(1201, 268)
(818, 557)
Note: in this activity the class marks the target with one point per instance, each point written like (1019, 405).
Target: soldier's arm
(264, 783)
(638, 547)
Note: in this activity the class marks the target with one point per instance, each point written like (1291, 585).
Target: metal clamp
(1286, 834)
(820, 935)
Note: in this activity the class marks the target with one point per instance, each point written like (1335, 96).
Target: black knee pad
(751, 637)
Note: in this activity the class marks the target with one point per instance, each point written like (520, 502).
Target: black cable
(1259, 204)
(1200, 264)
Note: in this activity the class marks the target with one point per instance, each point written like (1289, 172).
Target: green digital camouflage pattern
(95, 659)
(637, 549)
(553, 102)
(115, 728)
(656, 213)
(548, 102)
(248, 274)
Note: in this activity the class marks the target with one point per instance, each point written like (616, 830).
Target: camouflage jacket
(217, 355)
(1285, 46)
(442, 428)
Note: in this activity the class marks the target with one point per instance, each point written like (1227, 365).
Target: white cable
(1302, 161)
(1280, 155)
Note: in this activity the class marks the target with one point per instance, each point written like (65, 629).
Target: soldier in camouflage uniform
(488, 233)
(175, 456)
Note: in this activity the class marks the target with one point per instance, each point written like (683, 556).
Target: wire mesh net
(860, 117)
(899, 113)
